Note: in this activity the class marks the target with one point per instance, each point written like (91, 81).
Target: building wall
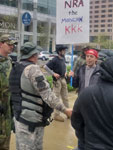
(101, 18)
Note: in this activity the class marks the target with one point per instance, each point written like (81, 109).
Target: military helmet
(60, 48)
(8, 38)
(28, 50)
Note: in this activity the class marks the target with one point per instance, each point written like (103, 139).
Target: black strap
(30, 94)
(31, 125)
(29, 101)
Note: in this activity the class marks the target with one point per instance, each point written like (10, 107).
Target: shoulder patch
(39, 79)
(40, 83)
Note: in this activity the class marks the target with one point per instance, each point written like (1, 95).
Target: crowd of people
(27, 100)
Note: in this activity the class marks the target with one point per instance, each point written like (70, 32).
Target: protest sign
(72, 21)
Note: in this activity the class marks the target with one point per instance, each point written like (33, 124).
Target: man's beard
(62, 55)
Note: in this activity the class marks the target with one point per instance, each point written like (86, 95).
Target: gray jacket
(79, 79)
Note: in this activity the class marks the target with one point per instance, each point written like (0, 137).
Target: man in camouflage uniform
(6, 46)
(35, 92)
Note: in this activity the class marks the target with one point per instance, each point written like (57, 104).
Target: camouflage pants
(4, 143)
(61, 91)
(26, 140)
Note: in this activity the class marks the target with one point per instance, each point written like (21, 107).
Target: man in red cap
(87, 75)
(91, 57)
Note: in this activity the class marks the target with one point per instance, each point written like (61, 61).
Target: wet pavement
(58, 135)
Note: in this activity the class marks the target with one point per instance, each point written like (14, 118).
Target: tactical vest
(28, 107)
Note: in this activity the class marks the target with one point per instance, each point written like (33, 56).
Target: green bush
(70, 88)
(68, 69)
(50, 80)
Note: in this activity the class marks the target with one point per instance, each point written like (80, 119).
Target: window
(103, 1)
(95, 26)
(109, 30)
(102, 30)
(109, 20)
(96, 11)
(95, 30)
(96, 6)
(96, 2)
(110, 5)
(96, 21)
(102, 25)
(103, 16)
(110, 15)
(92, 38)
(103, 11)
(109, 25)
(12, 3)
(110, 10)
(27, 6)
(96, 16)
(103, 20)
(103, 6)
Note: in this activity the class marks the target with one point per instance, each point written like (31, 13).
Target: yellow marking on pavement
(70, 147)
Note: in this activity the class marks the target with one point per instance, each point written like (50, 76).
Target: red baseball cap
(92, 52)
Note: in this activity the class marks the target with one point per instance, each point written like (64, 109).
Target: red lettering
(67, 30)
(73, 28)
(79, 28)
(81, 3)
(73, 3)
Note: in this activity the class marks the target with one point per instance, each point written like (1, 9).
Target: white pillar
(53, 45)
(22, 35)
(19, 27)
(35, 21)
(54, 40)
(49, 32)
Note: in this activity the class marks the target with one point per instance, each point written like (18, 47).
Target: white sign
(72, 21)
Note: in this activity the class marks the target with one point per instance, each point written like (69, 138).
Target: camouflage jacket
(5, 117)
(41, 87)
(78, 63)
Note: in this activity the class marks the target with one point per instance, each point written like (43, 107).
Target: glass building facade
(44, 6)
(46, 21)
(12, 3)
